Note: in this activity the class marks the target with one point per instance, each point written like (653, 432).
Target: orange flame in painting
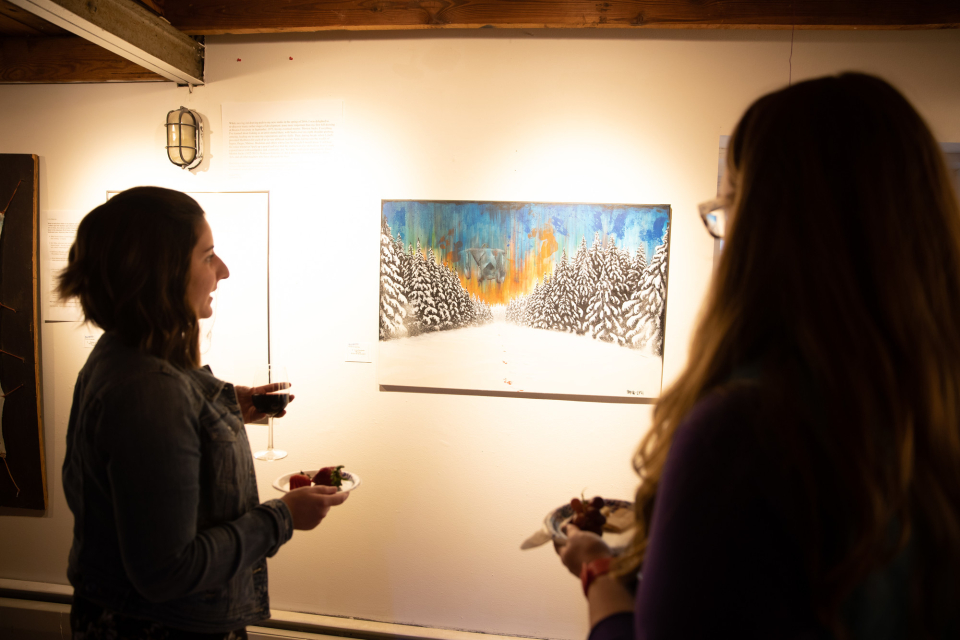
(523, 271)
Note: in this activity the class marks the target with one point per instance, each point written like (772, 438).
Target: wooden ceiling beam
(128, 30)
(209, 17)
(63, 60)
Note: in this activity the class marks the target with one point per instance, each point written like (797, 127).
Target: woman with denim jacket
(801, 478)
(170, 538)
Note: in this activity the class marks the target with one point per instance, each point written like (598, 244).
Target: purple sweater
(721, 562)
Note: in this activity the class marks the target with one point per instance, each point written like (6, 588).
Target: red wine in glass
(271, 403)
(275, 379)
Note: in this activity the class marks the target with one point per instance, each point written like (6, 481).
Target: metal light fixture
(184, 138)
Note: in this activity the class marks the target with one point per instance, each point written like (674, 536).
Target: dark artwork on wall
(22, 467)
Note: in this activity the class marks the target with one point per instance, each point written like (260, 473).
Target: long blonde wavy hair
(840, 273)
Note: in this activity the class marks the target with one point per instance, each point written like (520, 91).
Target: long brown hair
(840, 279)
(129, 268)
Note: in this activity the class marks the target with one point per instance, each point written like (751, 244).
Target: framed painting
(523, 297)
(23, 482)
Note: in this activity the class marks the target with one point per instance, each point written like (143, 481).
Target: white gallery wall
(451, 484)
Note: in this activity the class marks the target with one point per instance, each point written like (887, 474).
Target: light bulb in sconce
(184, 138)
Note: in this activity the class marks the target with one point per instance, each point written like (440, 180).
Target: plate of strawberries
(327, 476)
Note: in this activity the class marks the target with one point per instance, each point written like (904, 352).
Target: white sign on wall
(59, 232)
(280, 136)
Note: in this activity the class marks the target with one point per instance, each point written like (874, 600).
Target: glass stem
(270, 433)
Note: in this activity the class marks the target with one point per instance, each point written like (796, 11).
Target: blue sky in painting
(456, 225)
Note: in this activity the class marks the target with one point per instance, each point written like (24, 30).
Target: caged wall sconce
(184, 138)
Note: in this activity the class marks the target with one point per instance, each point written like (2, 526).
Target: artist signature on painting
(634, 393)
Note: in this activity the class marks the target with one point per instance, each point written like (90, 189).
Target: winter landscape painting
(522, 297)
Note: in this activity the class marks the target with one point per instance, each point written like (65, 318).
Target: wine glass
(271, 403)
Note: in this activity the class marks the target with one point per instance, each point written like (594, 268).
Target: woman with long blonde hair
(801, 477)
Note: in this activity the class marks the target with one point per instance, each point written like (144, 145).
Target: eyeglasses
(714, 216)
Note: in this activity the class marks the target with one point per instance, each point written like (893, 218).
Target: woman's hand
(245, 398)
(607, 595)
(581, 546)
(309, 505)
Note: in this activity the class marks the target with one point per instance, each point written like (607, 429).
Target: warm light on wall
(184, 138)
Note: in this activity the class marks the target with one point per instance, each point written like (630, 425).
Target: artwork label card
(59, 232)
(359, 352)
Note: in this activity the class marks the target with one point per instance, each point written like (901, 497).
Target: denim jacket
(158, 473)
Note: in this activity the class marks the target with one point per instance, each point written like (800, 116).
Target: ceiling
(17, 22)
(120, 36)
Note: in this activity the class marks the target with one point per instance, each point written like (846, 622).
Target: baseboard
(41, 611)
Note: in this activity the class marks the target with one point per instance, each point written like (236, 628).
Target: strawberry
(587, 515)
(329, 476)
(298, 480)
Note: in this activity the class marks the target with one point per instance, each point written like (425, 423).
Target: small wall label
(359, 352)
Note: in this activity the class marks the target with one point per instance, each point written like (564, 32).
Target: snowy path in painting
(507, 357)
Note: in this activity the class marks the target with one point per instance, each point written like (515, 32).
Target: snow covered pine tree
(392, 300)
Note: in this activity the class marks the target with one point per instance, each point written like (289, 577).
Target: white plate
(350, 480)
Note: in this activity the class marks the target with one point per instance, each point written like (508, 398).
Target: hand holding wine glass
(270, 396)
(252, 415)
